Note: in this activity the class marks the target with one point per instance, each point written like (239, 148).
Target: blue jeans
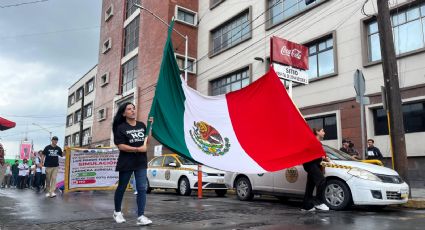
(133, 183)
(124, 178)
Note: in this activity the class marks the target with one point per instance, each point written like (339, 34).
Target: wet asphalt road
(93, 210)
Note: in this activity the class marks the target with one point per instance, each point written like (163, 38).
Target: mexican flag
(253, 130)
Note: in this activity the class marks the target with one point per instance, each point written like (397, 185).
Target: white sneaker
(118, 217)
(48, 194)
(52, 195)
(309, 210)
(322, 207)
(143, 220)
(135, 193)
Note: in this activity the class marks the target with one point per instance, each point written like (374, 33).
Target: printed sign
(92, 168)
(291, 74)
(26, 149)
(288, 53)
(60, 178)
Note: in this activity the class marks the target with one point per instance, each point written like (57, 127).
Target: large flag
(253, 130)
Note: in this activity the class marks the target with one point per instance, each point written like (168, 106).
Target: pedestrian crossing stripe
(330, 165)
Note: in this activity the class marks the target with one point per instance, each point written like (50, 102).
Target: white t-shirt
(23, 169)
(43, 170)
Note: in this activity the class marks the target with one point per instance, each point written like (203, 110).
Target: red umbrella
(6, 124)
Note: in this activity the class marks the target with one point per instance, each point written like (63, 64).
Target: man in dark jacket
(372, 151)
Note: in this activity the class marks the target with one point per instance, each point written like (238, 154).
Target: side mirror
(172, 164)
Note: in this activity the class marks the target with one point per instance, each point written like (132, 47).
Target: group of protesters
(39, 175)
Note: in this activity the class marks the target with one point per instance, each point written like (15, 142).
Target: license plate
(220, 181)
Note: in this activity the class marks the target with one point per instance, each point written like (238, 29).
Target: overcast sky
(44, 48)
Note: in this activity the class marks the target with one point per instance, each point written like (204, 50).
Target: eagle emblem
(208, 139)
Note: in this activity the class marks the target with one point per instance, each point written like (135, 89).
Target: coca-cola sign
(288, 53)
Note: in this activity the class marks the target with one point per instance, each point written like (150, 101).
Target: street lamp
(50, 133)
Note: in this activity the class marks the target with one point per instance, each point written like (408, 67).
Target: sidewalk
(417, 200)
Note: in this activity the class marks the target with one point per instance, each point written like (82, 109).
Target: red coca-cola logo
(295, 53)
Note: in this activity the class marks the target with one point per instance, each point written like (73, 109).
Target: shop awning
(6, 124)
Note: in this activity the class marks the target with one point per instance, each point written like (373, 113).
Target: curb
(417, 203)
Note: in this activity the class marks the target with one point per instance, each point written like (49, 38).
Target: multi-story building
(233, 49)
(82, 90)
(131, 46)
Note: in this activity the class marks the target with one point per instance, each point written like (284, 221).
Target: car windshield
(335, 154)
(185, 161)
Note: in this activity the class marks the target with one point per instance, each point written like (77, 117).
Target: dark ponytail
(119, 118)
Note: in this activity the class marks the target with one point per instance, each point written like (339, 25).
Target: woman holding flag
(130, 136)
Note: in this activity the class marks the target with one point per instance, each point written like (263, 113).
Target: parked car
(348, 182)
(172, 171)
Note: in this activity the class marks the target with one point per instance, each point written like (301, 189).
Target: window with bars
(90, 86)
(186, 16)
(131, 36)
(280, 10)
(321, 58)
(69, 120)
(130, 8)
(76, 139)
(190, 64)
(230, 82)
(328, 123)
(77, 116)
(129, 75)
(71, 99)
(408, 32)
(86, 136)
(231, 33)
(79, 93)
(88, 110)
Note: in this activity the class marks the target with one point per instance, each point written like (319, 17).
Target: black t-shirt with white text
(133, 136)
(52, 154)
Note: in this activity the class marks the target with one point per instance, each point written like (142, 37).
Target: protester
(51, 162)
(130, 138)
(15, 174)
(372, 151)
(315, 178)
(38, 165)
(8, 176)
(23, 173)
(3, 167)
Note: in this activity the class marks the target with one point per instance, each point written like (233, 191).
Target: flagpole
(183, 36)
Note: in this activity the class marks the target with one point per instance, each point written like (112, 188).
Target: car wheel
(337, 195)
(244, 189)
(220, 192)
(184, 187)
(148, 187)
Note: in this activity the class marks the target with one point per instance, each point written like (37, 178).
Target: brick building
(130, 52)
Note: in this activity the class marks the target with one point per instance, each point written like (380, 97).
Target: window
(328, 123)
(68, 141)
(321, 58)
(88, 110)
(231, 33)
(90, 86)
(109, 12)
(408, 31)
(107, 45)
(169, 160)
(69, 120)
(71, 99)
(86, 136)
(190, 63)
(104, 79)
(231, 82)
(79, 93)
(131, 36)
(77, 116)
(214, 3)
(130, 8)
(280, 10)
(413, 119)
(76, 139)
(157, 162)
(101, 114)
(185, 15)
(129, 75)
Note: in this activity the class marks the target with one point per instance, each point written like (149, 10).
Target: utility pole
(389, 67)
(82, 118)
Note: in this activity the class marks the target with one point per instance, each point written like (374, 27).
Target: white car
(347, 182)
(171, 171)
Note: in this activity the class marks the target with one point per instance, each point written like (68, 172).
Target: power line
(23, 3)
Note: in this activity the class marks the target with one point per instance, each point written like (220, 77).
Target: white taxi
(172, 171)
(347, 182)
